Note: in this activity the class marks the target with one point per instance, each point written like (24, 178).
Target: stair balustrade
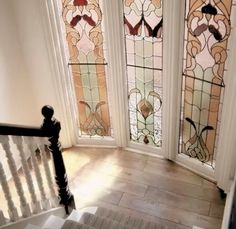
(25, 142)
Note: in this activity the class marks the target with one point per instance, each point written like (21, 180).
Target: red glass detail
(89, 20)
(145, 140)
(75, 20)
(133, 30)
(80, 2)
(153, 32)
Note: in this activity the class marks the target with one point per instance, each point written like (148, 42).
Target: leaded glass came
(143, 37)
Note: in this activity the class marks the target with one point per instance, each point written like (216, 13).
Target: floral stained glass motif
(83, 22)
(143, 36)
(207, 30)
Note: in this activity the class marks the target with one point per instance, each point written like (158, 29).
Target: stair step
(107, 223)
(75, 215)
(31, 226)
(70, 224)
(119, 217)
(100, 223)
(54, 222)
(103, 218)
(127, 220)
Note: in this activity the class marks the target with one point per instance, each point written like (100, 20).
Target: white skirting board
(228, 205)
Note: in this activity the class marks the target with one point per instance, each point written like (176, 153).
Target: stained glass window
(84, 23)
(207, 30)
(143, 37)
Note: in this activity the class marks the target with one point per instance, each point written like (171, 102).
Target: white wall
(31, 38)
(26, 77)
(16, 93)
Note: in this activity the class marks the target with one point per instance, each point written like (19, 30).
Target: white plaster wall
(34, 50)
(26, 77)
(16, 93)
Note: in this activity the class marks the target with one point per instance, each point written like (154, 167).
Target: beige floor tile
(217, 210)
(170, 169)
(166, 212)
(168, 184)
(94, 179)
(178, 201)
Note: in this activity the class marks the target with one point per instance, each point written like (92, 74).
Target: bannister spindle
(52, 127)
(13, 214)
(31, 143)
(53, 197)
(18, 140)
(25, 209)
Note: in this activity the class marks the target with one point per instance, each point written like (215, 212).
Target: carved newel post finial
(52, 128)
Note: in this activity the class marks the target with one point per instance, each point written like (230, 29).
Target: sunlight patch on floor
(93, 187)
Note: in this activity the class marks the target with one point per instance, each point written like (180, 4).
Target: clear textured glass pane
(207, 30)
(143, 34)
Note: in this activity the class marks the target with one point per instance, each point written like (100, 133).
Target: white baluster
(54, 198)
(31, 142)
(25, 209)
(2, 218)
(18, 140)
(11, 207)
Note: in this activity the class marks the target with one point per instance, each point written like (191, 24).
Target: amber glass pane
(83, 22)
(143, 36)
(207, 30)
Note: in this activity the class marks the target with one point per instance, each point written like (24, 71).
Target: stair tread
(53, 222)
(103, 218)
(31, 226)
(101, 223)
(128, 222)
(70, 224)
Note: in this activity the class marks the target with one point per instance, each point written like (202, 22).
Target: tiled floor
(154, 189)
(144, 186)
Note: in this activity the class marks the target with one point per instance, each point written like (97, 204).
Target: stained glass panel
(143, 36)
(84, 23)
(207, 29)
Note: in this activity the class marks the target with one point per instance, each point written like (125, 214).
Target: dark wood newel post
(52, 128)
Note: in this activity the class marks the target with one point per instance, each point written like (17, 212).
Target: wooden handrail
(50, 128)
(17, 130)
